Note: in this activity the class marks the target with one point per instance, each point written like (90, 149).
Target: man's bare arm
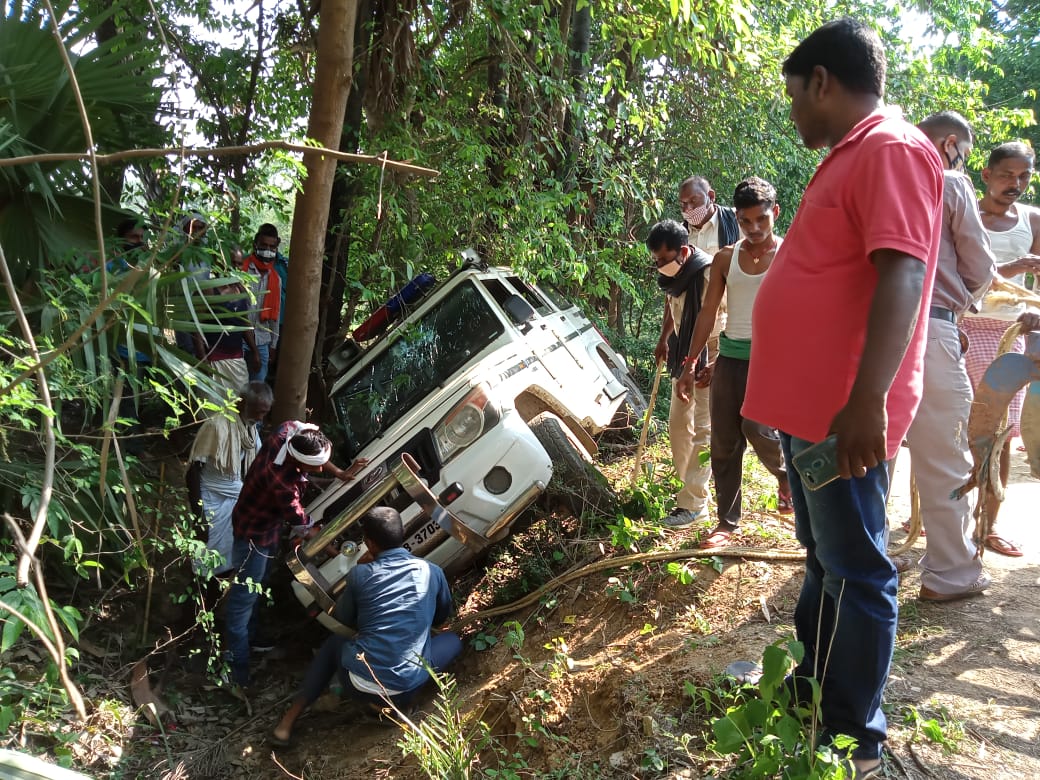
(862, 423)
(661, 351)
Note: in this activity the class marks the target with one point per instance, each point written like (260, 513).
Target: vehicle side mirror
(518, 309)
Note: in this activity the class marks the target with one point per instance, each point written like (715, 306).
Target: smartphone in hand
(818, 465)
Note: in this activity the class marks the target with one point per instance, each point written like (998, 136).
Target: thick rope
(747, 553)
(987, 472)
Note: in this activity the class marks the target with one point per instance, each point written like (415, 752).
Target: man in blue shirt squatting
(392, 600)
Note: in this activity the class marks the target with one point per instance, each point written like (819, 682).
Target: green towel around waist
(734, 348)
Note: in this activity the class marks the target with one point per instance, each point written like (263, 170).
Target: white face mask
(695, 216)
(669, 269)
(266, 254)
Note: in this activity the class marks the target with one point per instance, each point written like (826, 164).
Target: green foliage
(940, 729)
(768, 732)
(27, 602)
(46, 209)
(681, 571)
(445, 742)
(651, 499)
(626, 533)
(514, 636)
(624, 590)
(483, 641)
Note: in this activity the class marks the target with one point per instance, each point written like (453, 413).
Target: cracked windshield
(423, 355)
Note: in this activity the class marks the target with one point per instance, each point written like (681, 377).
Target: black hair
(667, 233)
(268, 230)
(127, 225)
(310, 442)
(696, 182)
(382, 524)
(846, 48)
(944, 123)
(754, 191)
(1010, 150)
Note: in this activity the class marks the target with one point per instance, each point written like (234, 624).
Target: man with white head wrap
(269, 500)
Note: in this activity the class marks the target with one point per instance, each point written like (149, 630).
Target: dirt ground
(599, 685)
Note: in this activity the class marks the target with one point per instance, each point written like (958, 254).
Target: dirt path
(979, 660)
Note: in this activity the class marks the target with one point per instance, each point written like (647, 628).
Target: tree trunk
(344, 190)
(616, 308)
(331, 87)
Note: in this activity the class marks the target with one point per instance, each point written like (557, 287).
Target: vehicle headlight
(464, 424)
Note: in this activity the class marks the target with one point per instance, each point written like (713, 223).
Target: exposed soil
(598, 687)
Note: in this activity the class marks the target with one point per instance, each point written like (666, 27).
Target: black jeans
(730, 434)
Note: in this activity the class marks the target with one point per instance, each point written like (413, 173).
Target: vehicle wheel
(635, 400)
(624, 427)
(576, 481)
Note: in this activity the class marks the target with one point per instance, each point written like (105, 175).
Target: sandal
(275, 741)
(906, 527)
(999, 544)
(716, 539)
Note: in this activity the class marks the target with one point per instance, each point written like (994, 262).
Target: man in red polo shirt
(837, 348)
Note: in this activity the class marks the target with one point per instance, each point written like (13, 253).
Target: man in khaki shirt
(938, 437)
(708, 227)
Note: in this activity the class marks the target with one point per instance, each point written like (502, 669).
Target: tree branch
(57, 647)
(47, 486)
(219, 151)
(88, 135)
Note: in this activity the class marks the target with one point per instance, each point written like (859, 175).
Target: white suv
(487, 387)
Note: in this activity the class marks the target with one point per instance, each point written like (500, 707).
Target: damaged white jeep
(465, 409)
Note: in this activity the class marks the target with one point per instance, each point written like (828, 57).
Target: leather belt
(941, 313)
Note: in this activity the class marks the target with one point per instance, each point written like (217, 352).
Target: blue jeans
(444, 648)
(847, 611)
(251, 563)
(264, 351)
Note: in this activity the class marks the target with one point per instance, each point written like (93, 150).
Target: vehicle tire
(624, 427)
(576, 481)
(635, 400)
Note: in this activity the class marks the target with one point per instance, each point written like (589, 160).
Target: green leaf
(789, 730)
(729, 734)
(13, 628)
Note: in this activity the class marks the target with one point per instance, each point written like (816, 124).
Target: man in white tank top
(1014, 233)
(736, 272)
(1014, 228)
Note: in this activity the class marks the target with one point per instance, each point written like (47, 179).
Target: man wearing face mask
(266, 290)
(711, 226)
(682, 275)
(938, 436)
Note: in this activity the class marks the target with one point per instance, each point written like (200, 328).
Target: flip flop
(905, 525)
(716, 539)
(999, 544)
